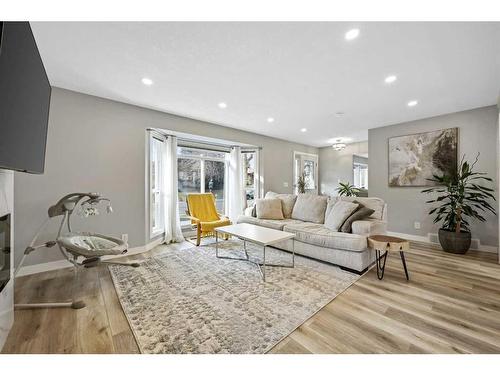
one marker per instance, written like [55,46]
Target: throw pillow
[269,209]
[376,204]
[340,212]
[287,202]
[359,214]
[309,207]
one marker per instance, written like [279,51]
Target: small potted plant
[348,190]
[460,199]
[301,184]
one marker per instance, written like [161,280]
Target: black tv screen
[24,100]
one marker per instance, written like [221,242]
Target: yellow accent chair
[204,215]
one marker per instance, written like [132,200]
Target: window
[305,165]
[249,176]
[360,175]
[200,171]
[155,183]
[215,172]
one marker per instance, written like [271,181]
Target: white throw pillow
[269,209]
[339,214]
[287,202]
[309,207]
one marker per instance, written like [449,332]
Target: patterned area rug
[189,301]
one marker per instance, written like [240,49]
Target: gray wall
[96,144]
[335,166]
[478,133]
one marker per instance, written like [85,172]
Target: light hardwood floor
[450,305]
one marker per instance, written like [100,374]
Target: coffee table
[257,235]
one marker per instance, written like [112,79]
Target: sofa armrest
[369,227]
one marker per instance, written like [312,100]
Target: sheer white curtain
[235,188]
[173,232]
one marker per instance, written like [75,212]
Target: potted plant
[301,184]
[460,199]
[348,190]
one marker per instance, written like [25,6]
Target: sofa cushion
[310,207]
[287,202]
[317,234]
[359,214]
[339,214]
[375,204]
[273,224]
[269,209]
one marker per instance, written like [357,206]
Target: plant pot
[452,242]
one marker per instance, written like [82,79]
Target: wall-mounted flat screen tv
[24,100]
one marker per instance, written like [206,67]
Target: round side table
[383,245]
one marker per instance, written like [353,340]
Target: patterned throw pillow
[359,214]
[339,213]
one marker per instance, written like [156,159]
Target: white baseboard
[425,239]
[60,264]
[43,267]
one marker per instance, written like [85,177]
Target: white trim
[60,264]
[302,156]
[44,267]
[153,232]
[425,239]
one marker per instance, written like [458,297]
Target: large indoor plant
[460,199]
[348,190]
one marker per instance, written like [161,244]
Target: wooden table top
[382,238]
[388,243]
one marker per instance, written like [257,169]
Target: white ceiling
[301,74]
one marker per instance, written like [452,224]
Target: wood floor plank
[450,305]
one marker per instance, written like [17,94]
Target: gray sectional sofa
[305,215]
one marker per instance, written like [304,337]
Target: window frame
[257,175]
[159,229]
[202,160]
[357,168]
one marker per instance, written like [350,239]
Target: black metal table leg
[401,253]
[380,265]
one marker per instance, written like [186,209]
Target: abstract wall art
[413,159]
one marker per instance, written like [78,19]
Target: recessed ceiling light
[222,105]
[390,79]
[412,103]
[352,34]
[147,81]
[303,130]
[270,119]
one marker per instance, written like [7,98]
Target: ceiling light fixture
[270,119]
[352,34]
[390,79]
[338,145]
[147,81]
[222,105]
[339,114]
[303,130]
[412,103]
